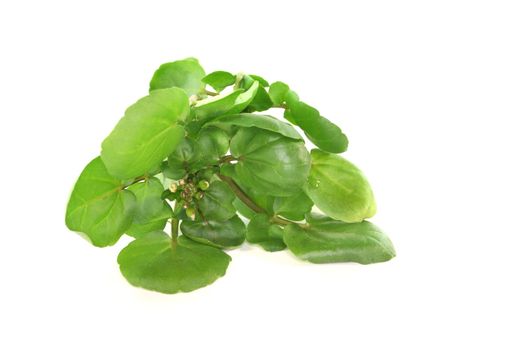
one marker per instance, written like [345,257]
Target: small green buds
[190,212]
[204,185]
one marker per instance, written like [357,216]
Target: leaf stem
[174,231]
[241,195]
[252,205]
[227,159]
[211,93]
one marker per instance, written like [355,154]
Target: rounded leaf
[99,205]
[336,241]
[262,231]
[322,132]
[219,80]
[153,262]
[152,212]
[339,188]
[186,74]
[269,163]
[216,204]
[149,131]
[222,234]
[277,92]
[293,207]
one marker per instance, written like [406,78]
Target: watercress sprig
[197,153]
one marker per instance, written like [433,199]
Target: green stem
[227,159]
[174,231]
[252,205]
[241,195]
[211,93]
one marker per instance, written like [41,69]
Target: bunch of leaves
[197,153]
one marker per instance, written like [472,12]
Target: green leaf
[293,207]
[151,212]
[182,160]
[244,99]
[261,100]
[186,74]
[262,82]
[222,234]
[339,188]
[212,143]
[219,80]
[153,262]
[262,231]
[323,133]
[331,241]
[217,105]
[149,131]
[269,163]
[261,121]
[216,204]
[277,92]
[99,206]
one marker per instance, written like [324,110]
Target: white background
[431,95]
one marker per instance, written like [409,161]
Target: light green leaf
[293,207]
[262,231]
[217,105]
[149,131]
[261,121]
[244,99]
[99,206]
[331,241]
[186,74]
[222,234]
[219,80]
[269,163]
[339,188]
[278,92]
[262,100]
[152,211]
[153,262]
[216,204]
[323,133]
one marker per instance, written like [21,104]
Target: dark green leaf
[153,262]
[219,80]
[261,121]
[222,234]
[216,204]
[269,163]
[336,241]
[323,133]
[339,188]
[262,231]
[212,143]
[293,207]
[99,206]
[186,74]
[183,159]
[151,211]
[149,131]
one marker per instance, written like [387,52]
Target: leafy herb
[196,158]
